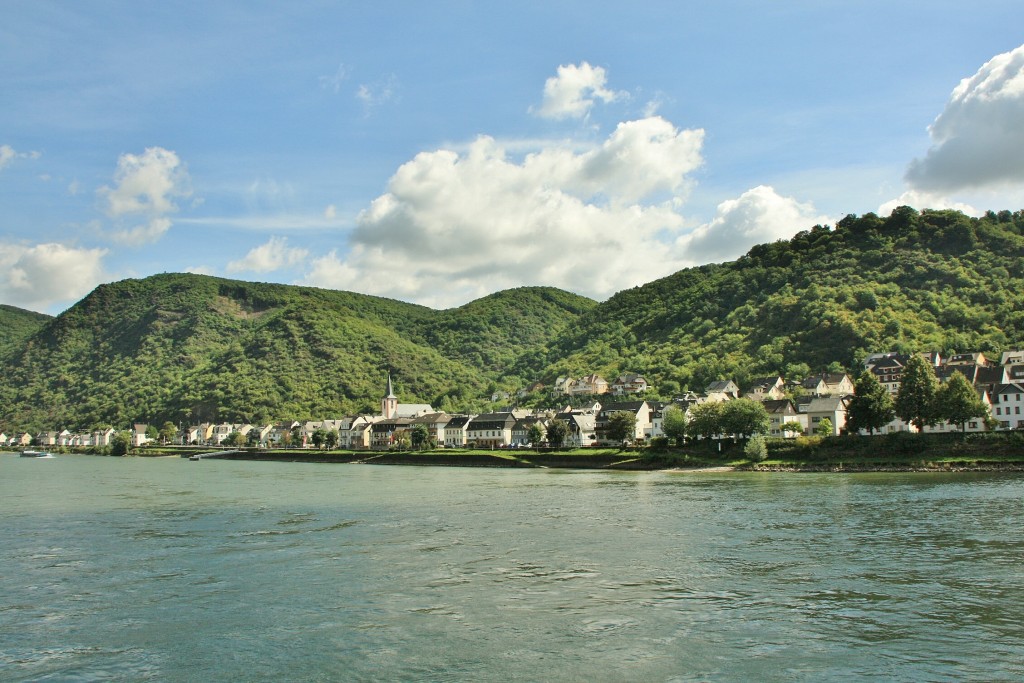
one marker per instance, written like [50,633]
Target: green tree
[235,439]
[168,432]
[957,402]
[744,417]
[706,419]
[824,427]
[756,448]
[557,433]
[621,427]
[915,402]
[673,423]
[296,436]
[871,407]
[253,438]
[120,443]
[331,439]
[318,437]
[792,427]
[152,433]
[535,434]
[419,436]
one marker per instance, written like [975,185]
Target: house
[435,423]
[641,410]
[780,412]
[589,386]
[455,431]
[818,408]
[564,385]
[490,430]
[103,437]
[721,390]
[828,384]
[358,435]
[1006,406]
[582,428]
[1012,358]
[967,359]
[765,389]
[138,436]
[521,429]
[391,408]
[628,384]
[386,433]
[534,388]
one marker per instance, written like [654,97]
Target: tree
[756,448]
[419,436]
[120,443]
[557,433]
[331,439]
[673,423]
[792,427]
[535,434]
[168,432]
[915,402]
[318,437]
[957,402]
[824,427]
[871,407]
[621,427]
[297,436]
[744,417]
[235,439]
[253,438]
[706,419]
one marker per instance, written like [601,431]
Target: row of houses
[1000,386]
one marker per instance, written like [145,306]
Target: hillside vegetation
[17,325]
[935,280]
[193,348]
[190,348]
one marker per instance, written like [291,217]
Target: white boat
[36,454]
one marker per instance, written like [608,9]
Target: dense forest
[934,280]
[191,348]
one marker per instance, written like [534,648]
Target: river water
[169,570]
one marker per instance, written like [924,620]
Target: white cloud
[375,94]
[926,200]
[455,226]
[573,91]
[758,215]
[978,139]
[41,276]
[266,258]
[145,189]
[334,81]
[8,155]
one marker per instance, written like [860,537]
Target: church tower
[389,404]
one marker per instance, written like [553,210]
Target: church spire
[389,404]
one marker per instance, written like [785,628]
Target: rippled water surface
[170,570]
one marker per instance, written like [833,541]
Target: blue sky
[436,152]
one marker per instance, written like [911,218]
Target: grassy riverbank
[993,451]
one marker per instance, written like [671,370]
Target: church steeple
[389,404]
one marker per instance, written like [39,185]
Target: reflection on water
[131,569]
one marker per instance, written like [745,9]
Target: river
[168,570]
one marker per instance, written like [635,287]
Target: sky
[436,152]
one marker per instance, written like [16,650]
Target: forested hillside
[936,280]
[16,325]
[194,348]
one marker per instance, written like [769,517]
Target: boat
[36,454]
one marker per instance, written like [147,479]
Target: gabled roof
[780,407]
[625,407]
[821,404]
[1008,389]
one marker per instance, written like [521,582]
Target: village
[815,405]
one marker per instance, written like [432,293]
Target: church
[391,409]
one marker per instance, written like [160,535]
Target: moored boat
[36,454]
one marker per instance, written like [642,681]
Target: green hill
[195,348]
[189,348]
[17,325]
[936,280]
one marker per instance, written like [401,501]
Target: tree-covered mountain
[195,348]
[17,325]
[935,280]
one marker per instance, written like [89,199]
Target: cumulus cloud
[8,155]
[756,216]
[454,226]
[978,139]
[268,257]
[41,276]
[144,192]
[926,200]
[573,91]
